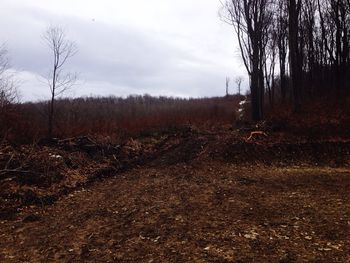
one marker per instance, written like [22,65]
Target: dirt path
[216,212]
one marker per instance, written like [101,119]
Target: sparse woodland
[296,53]
[261,177]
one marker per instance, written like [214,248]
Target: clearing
[193,199]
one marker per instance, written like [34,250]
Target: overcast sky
[158,47]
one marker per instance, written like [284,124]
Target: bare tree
[251,19]
[58,81]
[227,85]
[270,61]
[281,20]
[294,8]
[238,83]
[8,93]
[8,90]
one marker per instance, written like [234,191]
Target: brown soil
[184,197]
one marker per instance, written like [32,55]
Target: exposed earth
[189,196]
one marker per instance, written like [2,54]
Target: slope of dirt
[203,212]
[41,174]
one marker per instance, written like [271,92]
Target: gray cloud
[120,59]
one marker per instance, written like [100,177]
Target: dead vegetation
[182,195]
[117,118]
[40,173]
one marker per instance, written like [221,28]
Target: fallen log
[256,134]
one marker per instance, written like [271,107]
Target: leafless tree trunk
[58,81]
[8,90]
[250,19]
[227,85]
[8,93]
[239,83]
[294,7]
[282,43]
[270,65]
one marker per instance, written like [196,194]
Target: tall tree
[227,85]
[294,7]
[8,89]
[58,81]
[8,92]
[250,19]
[282,44]
[270,62]
[239,83]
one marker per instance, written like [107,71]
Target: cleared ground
[200,211]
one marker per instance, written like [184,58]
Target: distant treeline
[113,116]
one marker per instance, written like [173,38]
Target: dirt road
[198,212]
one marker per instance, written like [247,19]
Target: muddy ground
[189,196]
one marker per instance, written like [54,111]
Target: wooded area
[293,50]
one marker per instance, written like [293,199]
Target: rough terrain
[184,197]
